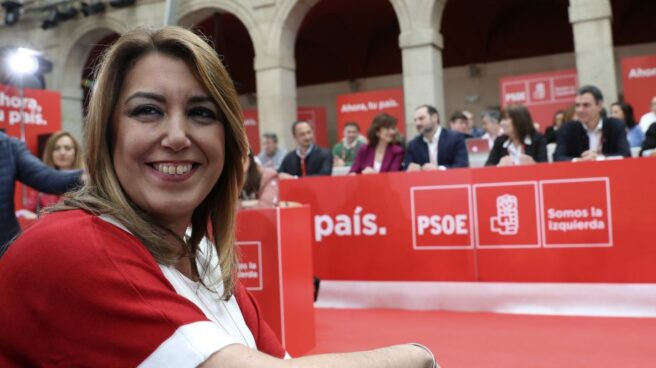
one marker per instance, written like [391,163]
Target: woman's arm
[397,160]
[268,192]
[496,152]
[540,149]
[397,356]
[358,163]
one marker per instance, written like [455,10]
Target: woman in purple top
[381,154]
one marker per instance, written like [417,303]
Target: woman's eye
[203,113]
[146,110]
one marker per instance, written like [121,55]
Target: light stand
[23,62]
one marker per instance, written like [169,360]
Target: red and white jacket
[75,290]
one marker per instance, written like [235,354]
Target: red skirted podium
[560,222]
[275,248]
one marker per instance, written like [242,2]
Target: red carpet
[494,340]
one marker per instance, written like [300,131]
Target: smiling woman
[62,152]
[137,267]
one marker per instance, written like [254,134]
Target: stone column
[593,43]
[276,99]
[423,75]
[71,108]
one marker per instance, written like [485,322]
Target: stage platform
[485,340]
[565,299]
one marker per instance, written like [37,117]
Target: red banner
[543,93]
[316,116]
[361,108]
[563,222]
[41,113]
[639,79]
[41,116]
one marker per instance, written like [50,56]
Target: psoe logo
[516,97]
[506,222]
[442,225]
[355,224]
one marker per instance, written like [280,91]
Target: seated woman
[381,154]
[521,144]
[62,152]
[558,120]
[138,267]
[260,185]
[624,112]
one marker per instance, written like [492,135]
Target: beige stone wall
[273,25]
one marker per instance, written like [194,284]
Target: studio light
[12,12]
[121,3]
[23,61]
[91,9]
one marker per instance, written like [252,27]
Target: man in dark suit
[592,136]
[434,148]
[17,163]
[308,159]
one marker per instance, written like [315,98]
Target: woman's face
[63,155]
[616,112]
[169,141]
[386,134]
[506,124]
[559,119]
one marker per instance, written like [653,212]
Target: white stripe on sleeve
[189,346]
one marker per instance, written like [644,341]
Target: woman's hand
[368,170]
[526,160]
[506,161]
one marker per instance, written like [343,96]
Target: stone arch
[71,60]
[193,12]
[436,14]
[419,15]
[402,14]
[74,53]
[279,48]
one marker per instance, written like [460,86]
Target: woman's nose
[176,135]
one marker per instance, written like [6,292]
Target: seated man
[591,137]
[472,129]
[459,123]
[271,155]
[307,159]
[434,147]
[345,150]
[491,119]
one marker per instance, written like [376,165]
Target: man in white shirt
[490,119]
[592,137]
[647,119]
[434,148]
